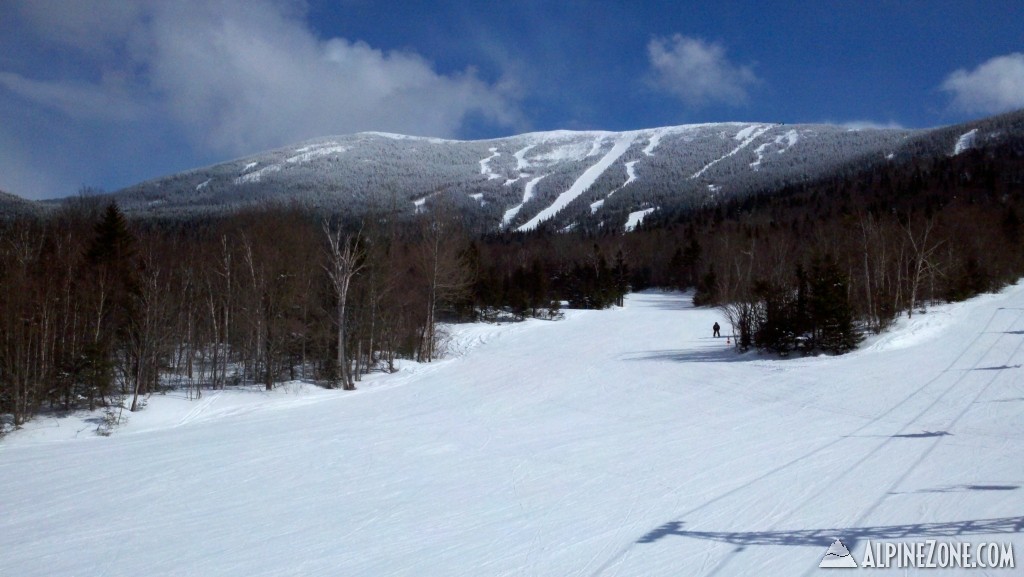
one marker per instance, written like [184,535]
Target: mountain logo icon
[838,557]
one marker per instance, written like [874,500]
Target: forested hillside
[99,307]
[559,180]
[553,179]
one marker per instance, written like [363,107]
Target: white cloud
[869,125]
[698,72]
[236,76]
[995,86]
[87,101]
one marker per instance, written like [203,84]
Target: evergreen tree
[831,313]
[707,289]
[620,278]
[112,280]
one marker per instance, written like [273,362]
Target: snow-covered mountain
[11,205]
[559,178]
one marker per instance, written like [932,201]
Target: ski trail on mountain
[485,167]
[527,195]
[584,182]
[754,135]
[630,177]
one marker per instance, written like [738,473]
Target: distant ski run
[753,135]
[527,195]
[965,142]
[636,218]
[584,182]
[485,168]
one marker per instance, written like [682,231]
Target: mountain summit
[559,179]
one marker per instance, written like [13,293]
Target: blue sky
[106,93]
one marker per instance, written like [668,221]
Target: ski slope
[625,442]
[585,181]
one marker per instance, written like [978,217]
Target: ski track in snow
[653,142]
[637,217]
[309,153]
[965,142]
[630,177]
[485,167]
[527,195]
[623,442]
[786,140]
[257,175]
[520,156]
[750,133]
[746,133]
[585,181]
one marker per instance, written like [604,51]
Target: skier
[717,328]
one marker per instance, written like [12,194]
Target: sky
[102,94]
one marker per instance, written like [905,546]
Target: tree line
[97,310]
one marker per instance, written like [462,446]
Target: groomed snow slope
[624,442]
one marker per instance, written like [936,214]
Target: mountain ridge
[556,180]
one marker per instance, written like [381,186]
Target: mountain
[12,206]
[558,179]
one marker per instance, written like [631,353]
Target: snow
[520,156]
[308,153]
[625,442]
[527,195]
[653,142]
[572,150]
[584,182]
[485,168]
[630,177]
[965,142]
[785,141]
[203,184]
[637,217]
[630,174]
[595,147]
[747,132]
[257,175]
[750,134]
[393,136]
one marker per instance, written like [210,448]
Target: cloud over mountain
[996,85]
[231,76]
[697,72]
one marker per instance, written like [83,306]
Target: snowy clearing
[784,142]
[636,217]
[520,156]
[625,442]
[965,142]
[527,195]
[485,166]
[257,175]
[311,153]
[749,135]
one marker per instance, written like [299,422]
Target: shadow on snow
[849,535]
[723,355]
